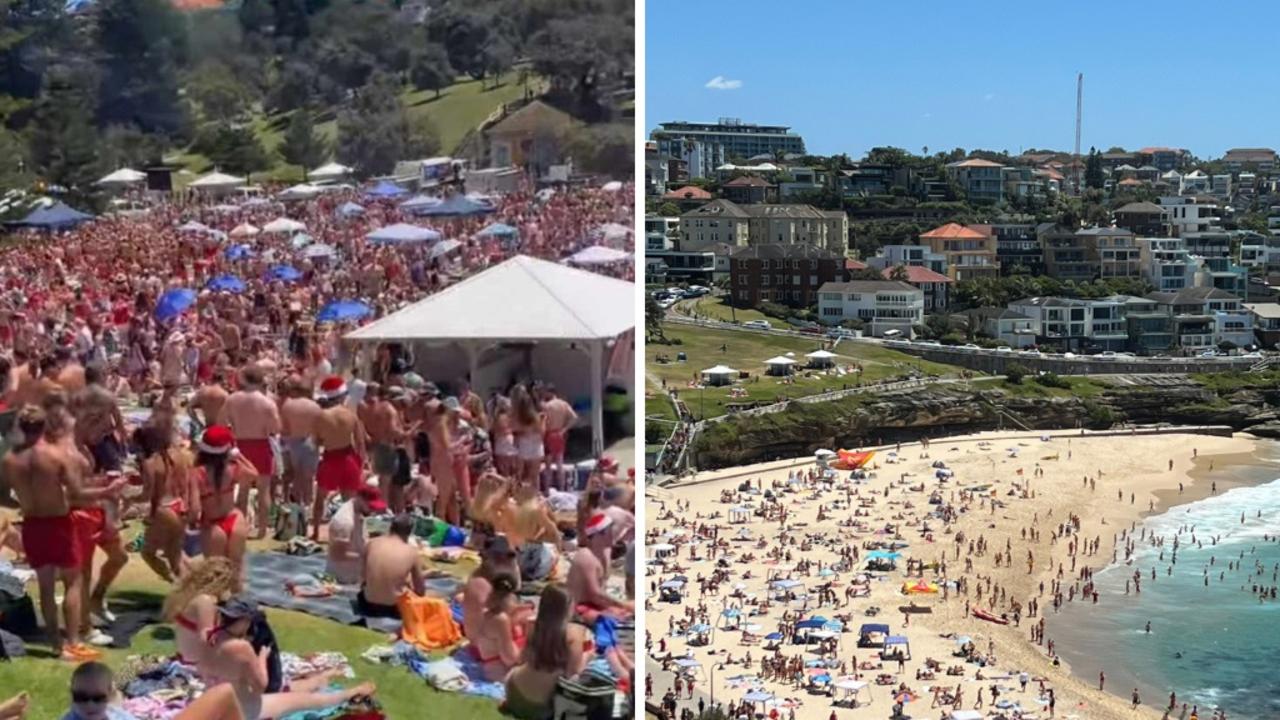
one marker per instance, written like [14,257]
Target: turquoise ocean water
[1216,646]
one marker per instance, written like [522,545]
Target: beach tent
[191,226]
[386,190]
[739,514]
[561,306]
[343,310]
[813,623]
[867,632]
[719,375]
[821,358]
[123,176]
[779,365]
[173,303]
[244,230]
[350,210]
[899,644]
[332,171]
[420,202]
[226,283]
[599,255]
[57,216]
[613,233]
[456,206]
[402,234]
[238,252]
[284,225]
[611,186]
[216,181]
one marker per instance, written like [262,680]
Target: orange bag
[427,622]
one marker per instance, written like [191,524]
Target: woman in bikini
[505,456]
[192,606]
[500,638]
[530,427]
[174,502]
[556,649]
[232,660]
[217,474]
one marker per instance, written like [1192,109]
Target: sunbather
[556,649]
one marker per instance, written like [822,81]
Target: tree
[219,94]
[603,149]
[301,144]
[653,316]
[63,142]
[668,209]
[899,272]
[127,146]
[294,87]
[430,69]
[143,43]
[238,150]
[499,55]
[1015,372]
[376,132]
[578,55]
[1093,177]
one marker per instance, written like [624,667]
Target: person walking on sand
[1102,680]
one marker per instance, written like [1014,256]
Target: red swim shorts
[339,471]
[258,451]
[553,442]
[89,525]
[50,542]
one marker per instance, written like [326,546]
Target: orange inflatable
[850,460]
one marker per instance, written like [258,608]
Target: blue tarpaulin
[174,302]
[874,628]
[55,217]
[238,252]
[286,273]
[456,205]
[227,283]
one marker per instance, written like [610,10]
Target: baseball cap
[372,497]
[498,547]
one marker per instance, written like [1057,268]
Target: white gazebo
[821,358]
[780,365]
[599,255]
[122,178]
[544,311]
[719,375]
[244,230]
[217,183]
[304,191]
[283,225]
[332,171]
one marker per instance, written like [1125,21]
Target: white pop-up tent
[719,375]
[283,225]
[244,230]
[123,176]
[779,365]
[332,171]
[599,255]
[821,358]
[216,181]
[521,301]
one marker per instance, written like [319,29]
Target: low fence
[996,363]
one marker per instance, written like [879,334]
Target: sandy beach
[1107,482]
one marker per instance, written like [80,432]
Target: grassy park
[747,351]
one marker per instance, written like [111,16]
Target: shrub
[1015,372]
[1053,380]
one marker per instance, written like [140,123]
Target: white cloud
[926,116]
[720,82]
[989,96]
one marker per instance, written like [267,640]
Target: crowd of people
[210,420]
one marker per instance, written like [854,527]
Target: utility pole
[1079,106]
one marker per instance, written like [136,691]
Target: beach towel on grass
[270,576]
[458,672]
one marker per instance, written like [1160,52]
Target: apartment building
[969,252]
[1260,159]
[910,255]
[982,180]
[887,307]
[935,286]
[660,233]
[1205,317]
[1018,247]
[1057,321]
[729,138]
[797,181]
[719,221]
[1008,326]
[1219,268]
[1144,219]
[1186,214]
[1266,323]
[1260,251]
[788,274]
[1065,255]
[742,225]
[1166,264]
[1112,252]
[1164,158]
[704,267]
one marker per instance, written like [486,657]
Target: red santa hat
[607,464]
[216,440]
[597,523]
[331,388]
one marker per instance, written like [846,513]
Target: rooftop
[868,286]
[688,192]
[917,274]
[788,251]
[954,231]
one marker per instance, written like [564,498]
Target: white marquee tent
[779,365]
[123,176]
[821,358]
[283,225]
[332,171]
[217,181]
[719,375]
[522,300]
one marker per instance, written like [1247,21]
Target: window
[764,280]
[744,294]
[795,279]
[813,279]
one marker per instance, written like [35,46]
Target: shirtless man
[298,415]
[70,372]
[590,569]
[391,566]
[254,418]
[560,419]
[209,401]
[45,487]
[441,442]
[99,423]
[341,434]
[386,433]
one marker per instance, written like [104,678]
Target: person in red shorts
[339,431]
[45,487]
[254,417]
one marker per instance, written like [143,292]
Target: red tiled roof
[747,181]
[954,231]
[917,274]
[1130,181]
[689,192]
[1153,150]
[976,162]
[851,264]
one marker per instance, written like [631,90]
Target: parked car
[839,332]
[758,325]
[1004,349]
[1253,356]
[969,346]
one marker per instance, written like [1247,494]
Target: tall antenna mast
[1079,106]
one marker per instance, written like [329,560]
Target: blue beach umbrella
[340,310]
[773,636]
[238,252]
[226,283]
[287,273]
[174,302]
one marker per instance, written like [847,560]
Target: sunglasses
[84,697]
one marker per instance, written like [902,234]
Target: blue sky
[849,75]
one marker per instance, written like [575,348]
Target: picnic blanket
[458,672]
[270,575]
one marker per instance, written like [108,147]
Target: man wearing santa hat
[340,433]
[589,572]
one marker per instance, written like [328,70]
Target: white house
[1184,214]
[910,255]
[888,307]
